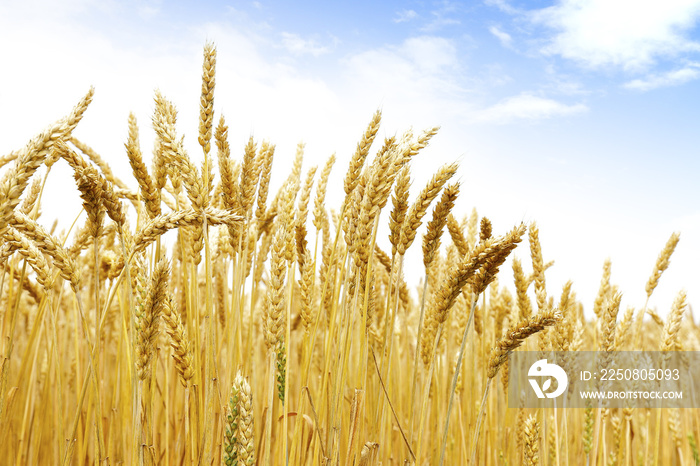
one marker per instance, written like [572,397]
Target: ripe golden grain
[334,343]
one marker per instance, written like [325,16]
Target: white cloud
[505,38]
[149,9]
[443,16]
[527,107]
[671,78]
[417,57]
[430,53]
[632,34]
[565,86]
[503,5]
[300,46]
[420,80]
[404,16]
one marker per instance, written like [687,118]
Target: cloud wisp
[297,45]
[504,38]
[668,79]
[404,16]
[526,107]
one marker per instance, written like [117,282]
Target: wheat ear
[431,239]
[457,235]
[50,246]
[105,170]
[246,443]
[30,201]
[267,154]
[662,263]
[537,266]
[206,101]
[531,434]
[379,180]
[516,336]
[182,347]
[523,300]
[94,187]
[320,199]
[491,252]
[302,216]
[147,186]
[418,209]
[148,314]
[489,268]
[358,158]
[231,425]
[485,229]
[28,160]
[250,174]
[673,322]
[400,203]
[603,289]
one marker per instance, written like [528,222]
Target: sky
[581,115]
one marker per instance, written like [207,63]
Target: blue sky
[582,115]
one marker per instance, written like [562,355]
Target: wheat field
[192,315]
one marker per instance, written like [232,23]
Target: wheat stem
[454,384]
[415,355]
